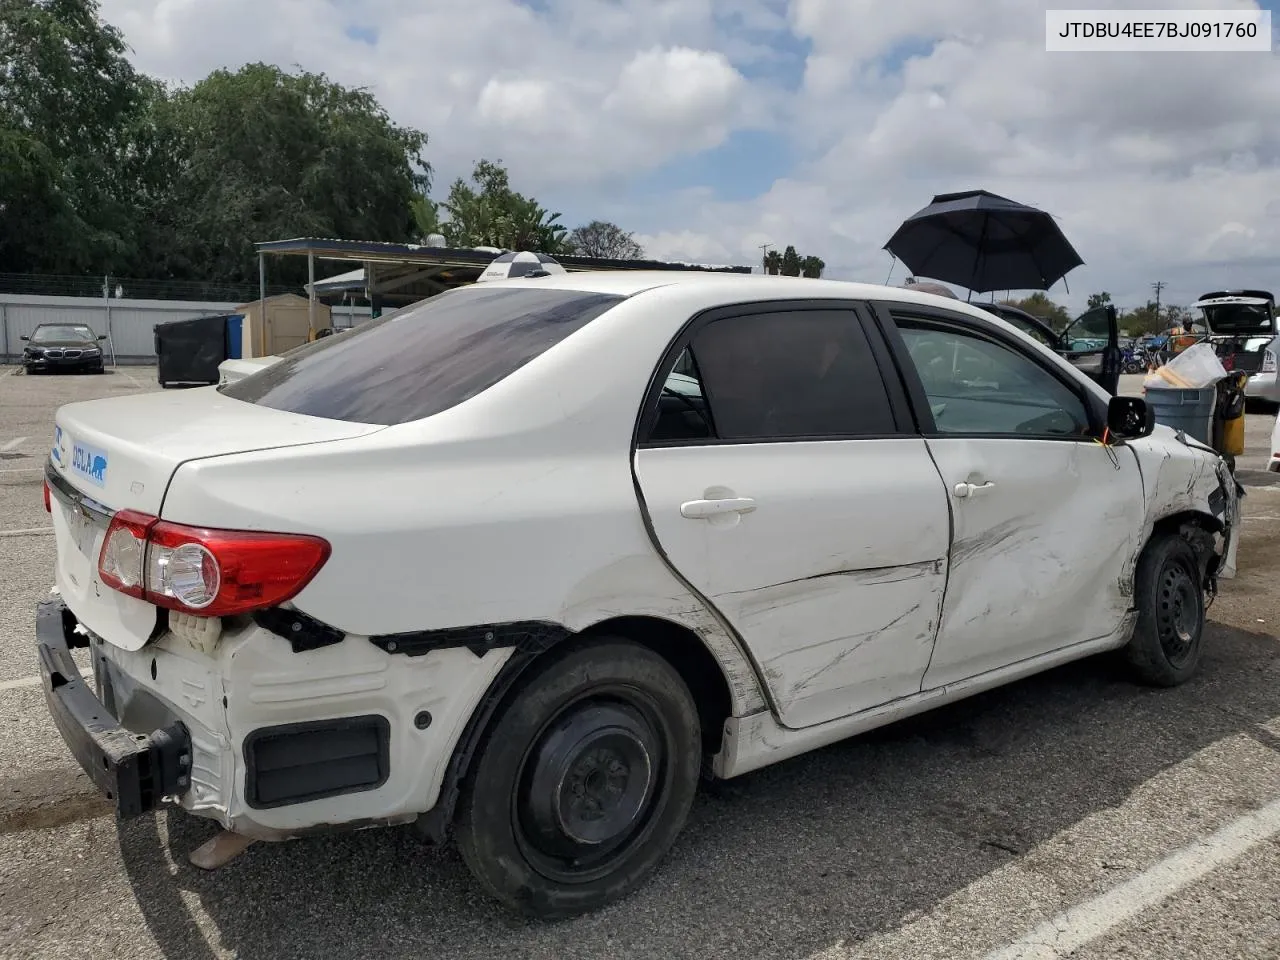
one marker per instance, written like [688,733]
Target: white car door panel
[1044,516]
[780,482]
[1039,556]
[834,584]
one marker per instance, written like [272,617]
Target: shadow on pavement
[836,845]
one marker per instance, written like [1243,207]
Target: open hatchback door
[1240,324]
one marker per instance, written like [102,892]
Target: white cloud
[1158,166]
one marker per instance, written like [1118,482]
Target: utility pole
[1157,287]
[764,253]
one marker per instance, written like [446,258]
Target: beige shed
[284,324]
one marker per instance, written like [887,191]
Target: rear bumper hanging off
[136,771]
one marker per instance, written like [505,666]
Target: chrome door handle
[963,490]
[705,509]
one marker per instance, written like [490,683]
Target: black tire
[605,730]
[1165,648]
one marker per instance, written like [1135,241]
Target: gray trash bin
[1188,410]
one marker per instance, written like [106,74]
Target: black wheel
[1166,644]
[583,782]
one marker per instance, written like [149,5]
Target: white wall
[128,323]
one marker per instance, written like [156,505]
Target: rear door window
[424,359]
[786,375]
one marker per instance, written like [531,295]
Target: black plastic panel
[300,762]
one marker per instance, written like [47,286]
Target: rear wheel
[583,782]
[1166,645]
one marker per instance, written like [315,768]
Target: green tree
[1099,299]
[600,238]
[790,262]
[69,101]
[812,267]
[1143,320]
[773,262]
[488,213]
[264,155]
[1175,315]
[1039,305]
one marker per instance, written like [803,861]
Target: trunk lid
[120,453]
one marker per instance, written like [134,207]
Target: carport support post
[262,308]
[311,293]
[4,333]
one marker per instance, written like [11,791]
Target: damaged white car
[521,562]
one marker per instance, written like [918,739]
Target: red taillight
[212,573]
[48,498]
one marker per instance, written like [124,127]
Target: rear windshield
[1239,318]
[423,359]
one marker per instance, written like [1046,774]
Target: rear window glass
[423,359]
[1239,318]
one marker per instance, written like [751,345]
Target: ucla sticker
[57,450]
[90,463]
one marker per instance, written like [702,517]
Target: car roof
[629,283]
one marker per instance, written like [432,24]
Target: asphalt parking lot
[1073,814]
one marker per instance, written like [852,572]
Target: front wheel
[583,782]
[1166,644]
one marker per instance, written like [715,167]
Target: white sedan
[518,563]
[229,371]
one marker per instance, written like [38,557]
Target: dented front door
[1045,535]
[1045,517]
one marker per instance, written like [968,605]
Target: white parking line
[1082,924]
[12,444]
[27,532]
[128,377]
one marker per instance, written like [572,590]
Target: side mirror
[24,338]
[1130,418]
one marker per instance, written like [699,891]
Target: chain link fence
[132,288]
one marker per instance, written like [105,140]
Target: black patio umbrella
[984,242]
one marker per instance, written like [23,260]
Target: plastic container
[235,336]
[1190,411]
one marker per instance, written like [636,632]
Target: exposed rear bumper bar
[133,770]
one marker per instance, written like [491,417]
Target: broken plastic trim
[524,634]
[303,632]
[434,824]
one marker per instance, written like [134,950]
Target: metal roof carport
[402,273]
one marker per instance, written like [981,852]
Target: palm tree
[772,262]
[812,267]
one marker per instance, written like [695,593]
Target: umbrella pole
[979,261]
[892,262]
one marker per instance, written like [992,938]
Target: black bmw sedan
[62,346]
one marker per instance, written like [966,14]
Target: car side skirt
[759,740]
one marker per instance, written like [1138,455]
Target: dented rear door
[822,540]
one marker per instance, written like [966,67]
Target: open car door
[1091,344]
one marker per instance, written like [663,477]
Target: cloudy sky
[710,127]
